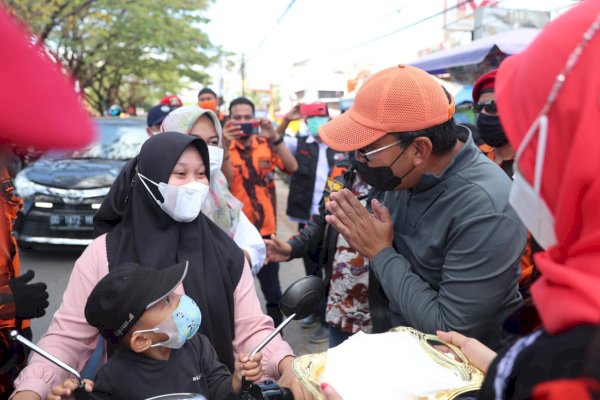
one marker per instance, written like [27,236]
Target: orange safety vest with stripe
[10,204]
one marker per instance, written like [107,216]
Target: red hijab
[568,292]
[38,106]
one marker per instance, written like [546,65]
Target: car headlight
[26,188]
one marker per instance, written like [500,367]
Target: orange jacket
[254,181]
[10,204]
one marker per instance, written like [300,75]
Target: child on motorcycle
[158,351]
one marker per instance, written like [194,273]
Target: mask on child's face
[181,326]
[314,123]
[182,203]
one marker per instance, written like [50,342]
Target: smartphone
[313,110]
[249,128]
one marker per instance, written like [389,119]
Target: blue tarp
[510,42]
[464,95]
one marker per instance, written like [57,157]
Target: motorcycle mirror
[302,297]
[298,301]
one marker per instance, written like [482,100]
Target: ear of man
[422,150]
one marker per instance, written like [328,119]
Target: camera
[313,110]
[249,128]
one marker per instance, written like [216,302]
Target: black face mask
[381,178]
[490,130]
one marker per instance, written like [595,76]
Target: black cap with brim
[157,114]
[121,297]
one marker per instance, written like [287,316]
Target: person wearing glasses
[496,145]
[498,149]
[443,241]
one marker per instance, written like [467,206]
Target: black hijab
[142,232]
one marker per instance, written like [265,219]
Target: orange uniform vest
[254,181]
[10,204]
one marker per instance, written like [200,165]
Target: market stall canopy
[509,42]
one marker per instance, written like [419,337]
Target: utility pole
[243,71]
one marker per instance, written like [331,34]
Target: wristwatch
[278,141]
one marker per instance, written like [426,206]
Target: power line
[412,24]
[287,9]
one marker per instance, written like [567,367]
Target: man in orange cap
[446,246]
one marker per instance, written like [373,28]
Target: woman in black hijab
[149,236]
[161,224]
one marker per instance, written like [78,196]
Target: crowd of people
[486,238]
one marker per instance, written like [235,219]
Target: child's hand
[245,367]
[67,388]
[251,369]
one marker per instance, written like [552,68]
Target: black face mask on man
[490,130]
[381,178]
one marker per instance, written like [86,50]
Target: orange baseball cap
[398,99]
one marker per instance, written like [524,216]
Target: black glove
[31,299]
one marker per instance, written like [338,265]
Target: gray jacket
[455,263]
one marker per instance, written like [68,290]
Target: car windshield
[118,139]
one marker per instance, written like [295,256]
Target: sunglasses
[489,107]
[366,154]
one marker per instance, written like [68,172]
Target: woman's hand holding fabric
[289,380]
[478,354]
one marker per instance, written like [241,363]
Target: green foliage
[124,52]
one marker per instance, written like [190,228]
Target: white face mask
[524,198]
[215,154]
[527,200]
[182,203]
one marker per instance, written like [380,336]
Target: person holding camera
[256,151]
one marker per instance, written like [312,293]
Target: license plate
[71,221]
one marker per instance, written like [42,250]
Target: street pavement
[53,266]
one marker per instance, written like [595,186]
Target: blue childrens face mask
[314,123]
[181,326]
